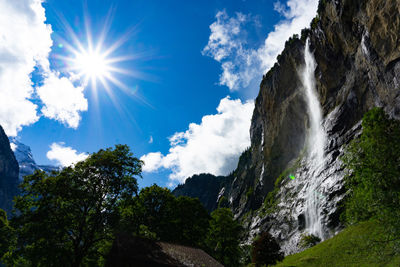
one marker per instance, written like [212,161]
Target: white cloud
[64,155]
[223,34]
[62,100]
[243,66]
[297,16]
[213,146]
[25,43]
[153,161]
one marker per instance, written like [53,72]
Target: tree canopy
[223,237]
[156,210]
[68,216]
[373,176]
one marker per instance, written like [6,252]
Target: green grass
[354,246]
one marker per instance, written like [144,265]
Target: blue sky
[187,59]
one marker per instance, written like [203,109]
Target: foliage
[314,22]
[73,217]
[250,192]
[373,173]
[245,252]
[351,247]
[223,202]
[223,237]
[265,250]
[291,40]
[153,208]
[307,241]
[146,233]
[321,6]
[191,221]
[157,212]
[245,156]
[270,201]
[6,234]
[70,216]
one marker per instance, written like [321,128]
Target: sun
[93,61]
[102,65]
[92,65]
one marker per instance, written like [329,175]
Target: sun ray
[94,62]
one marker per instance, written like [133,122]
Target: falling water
[316,141]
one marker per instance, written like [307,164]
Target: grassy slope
[351,247]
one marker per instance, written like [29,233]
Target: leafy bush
[307,241]
[265,250]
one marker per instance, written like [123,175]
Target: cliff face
[8,173]
[356,46]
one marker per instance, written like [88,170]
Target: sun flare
[97,63]
[91,64]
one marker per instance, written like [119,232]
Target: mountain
[310,104]
[206,187]
[8,173]
[27,164]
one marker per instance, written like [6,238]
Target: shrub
[265,250]
[308,241]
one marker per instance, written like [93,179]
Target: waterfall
[316,143]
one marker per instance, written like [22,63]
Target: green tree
[265,250]
[6,234]
[191,221]
[373,172]
[157,211]
[223,237]
[67,218]
[153,209]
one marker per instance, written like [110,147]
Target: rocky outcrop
[8,173]
[356,45]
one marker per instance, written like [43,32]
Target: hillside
[348,248]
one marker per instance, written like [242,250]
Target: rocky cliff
[8,173]
[356,50]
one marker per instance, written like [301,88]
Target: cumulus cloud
[153,161]
[243,66]
[224,31]
[62,100]
[213,146]
[64,155]
[25,44]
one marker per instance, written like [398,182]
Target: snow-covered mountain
[27,164]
